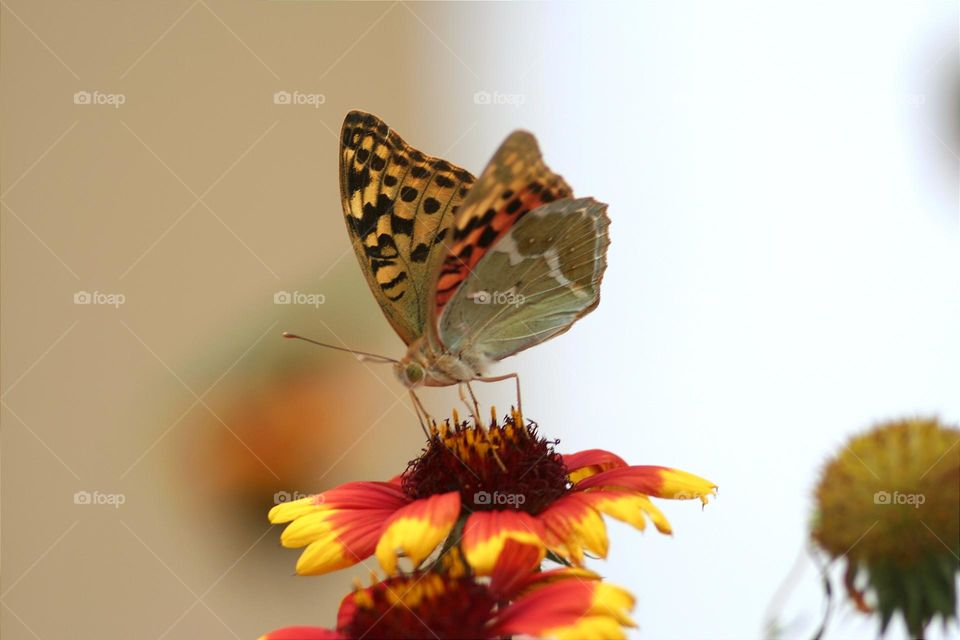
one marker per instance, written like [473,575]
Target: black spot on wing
[392,283]
[377,264]
[487,237]
[474,223]
[366,223]
[386,247]
[385,250]
[421,253]
[431,205]
[384,203]
[357,180]
[401,226]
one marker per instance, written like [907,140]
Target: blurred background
[783,186]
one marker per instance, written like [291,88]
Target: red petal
[596,460]
[364,495]
[646,479]
[348,607]
[554,605]
[515,564]
[661,482]
[360,532]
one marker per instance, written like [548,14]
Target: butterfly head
[410,373]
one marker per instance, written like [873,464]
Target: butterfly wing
[399,205]
[515,181]
[541,276]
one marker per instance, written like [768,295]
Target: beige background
[197,200]
[782,180]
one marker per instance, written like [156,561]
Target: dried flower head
[889,505]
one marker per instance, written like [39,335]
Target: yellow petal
[417,529]
[680,485]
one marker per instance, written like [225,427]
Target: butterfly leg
[475,408]
[476,405]
[422,414]
[516,378]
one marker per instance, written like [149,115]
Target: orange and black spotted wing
[515,182]
[399,205]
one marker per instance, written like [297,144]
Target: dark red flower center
[504,467]
[421,606]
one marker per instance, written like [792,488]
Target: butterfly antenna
[372,356]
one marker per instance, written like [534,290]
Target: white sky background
[784,267]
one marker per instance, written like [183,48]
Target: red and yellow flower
[447,602]
[496,484]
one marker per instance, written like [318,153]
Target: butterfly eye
[414,372]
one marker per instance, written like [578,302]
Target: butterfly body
[425,365]
[468,270]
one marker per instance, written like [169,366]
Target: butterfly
[468,271]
